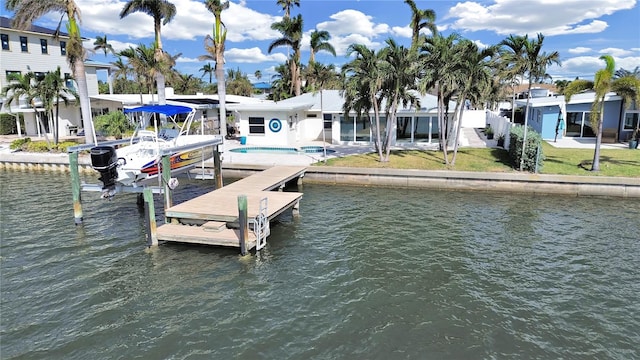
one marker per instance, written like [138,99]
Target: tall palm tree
[437,62]
[474,72]
[399,76]
[207,69]
[281,82]
[363,83]
[101,43]
[627,86]
[417,23]
[214,45]
[27,11]
[24,86]
[286,6]
[533,63]
[50,90]
[320,42]
[291,30]
[512,65]
[162,12]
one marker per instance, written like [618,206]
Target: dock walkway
[213,218]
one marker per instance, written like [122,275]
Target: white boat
[139,162]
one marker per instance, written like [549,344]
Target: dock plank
[198,235]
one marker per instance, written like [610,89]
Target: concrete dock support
[217,163]
[166,178]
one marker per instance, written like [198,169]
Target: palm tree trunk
[85,105]
[162,96]
[222,92]
[458,126]
[376,113]
[596,154]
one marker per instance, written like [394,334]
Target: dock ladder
[261,225]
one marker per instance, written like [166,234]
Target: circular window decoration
[275,125]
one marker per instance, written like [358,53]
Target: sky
[580,30]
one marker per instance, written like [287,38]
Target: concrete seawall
[619,187]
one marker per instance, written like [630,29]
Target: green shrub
[20,144]
[533,151]
[63,146]
[37,146]
[114,124]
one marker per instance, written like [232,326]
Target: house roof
[263,85]
[6,23]
[582,98]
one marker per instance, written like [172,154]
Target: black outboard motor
[105,160]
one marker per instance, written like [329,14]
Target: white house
[319,116]
[37,50]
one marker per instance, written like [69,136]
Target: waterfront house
[319,116]
[546,113]
[39,51]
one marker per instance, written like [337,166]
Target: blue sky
[580,30]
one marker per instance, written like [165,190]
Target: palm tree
[24,87]
[286,6]
[207,69]
[363,83]
[474,73]
[627,86]
[214,45]
[561,85]
[162,12]
[398,76]
[417,24]
[258,74]
[27,11]
[320,42]
[512,68]
[291,30]
[102,43]
[281,82]
[532,62]
[50,90]
[437,62]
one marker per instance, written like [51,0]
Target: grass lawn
[618,162]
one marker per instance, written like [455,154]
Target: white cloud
[579,50]
[525,16]
[252,55]
[586,66]
[192,21]
[616,52]
[183,59]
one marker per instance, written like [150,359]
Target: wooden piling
[75,187]
[150,217]
[217,164]
[243,222]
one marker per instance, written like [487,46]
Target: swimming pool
[280,150]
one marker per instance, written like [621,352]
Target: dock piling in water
[243,223]
[75,187]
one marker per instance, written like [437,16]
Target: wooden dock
[213,218]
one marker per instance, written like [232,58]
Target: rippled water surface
[364,273]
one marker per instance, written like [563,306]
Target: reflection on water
[363,273]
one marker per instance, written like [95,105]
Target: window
[23,44]
[256,125]
[12,75]
[5,41]
[63,48]
[631,120]
[44,46]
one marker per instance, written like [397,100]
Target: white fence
[500,126]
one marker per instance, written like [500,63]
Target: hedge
[533,151]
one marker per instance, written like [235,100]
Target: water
[364,273]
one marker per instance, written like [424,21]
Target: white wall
[474,118]
[270,137]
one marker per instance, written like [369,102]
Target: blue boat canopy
[168,110]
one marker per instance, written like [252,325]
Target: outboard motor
[105,161]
